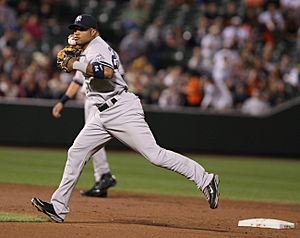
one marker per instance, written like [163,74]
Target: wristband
[80,66]
[64,99]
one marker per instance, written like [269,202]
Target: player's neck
[86,45]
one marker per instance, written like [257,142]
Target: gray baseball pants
[100,163]
[124,121]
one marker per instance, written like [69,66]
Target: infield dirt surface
[138,215]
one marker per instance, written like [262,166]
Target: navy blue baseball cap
[84,21]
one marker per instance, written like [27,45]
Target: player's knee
[156,156]
[72,153]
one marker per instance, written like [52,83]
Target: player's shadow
[148,223]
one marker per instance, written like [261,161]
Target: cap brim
[73,26]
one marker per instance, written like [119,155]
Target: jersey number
[115,61]
[114,58]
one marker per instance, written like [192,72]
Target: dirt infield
[136,215]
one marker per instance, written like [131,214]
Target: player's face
[83,36]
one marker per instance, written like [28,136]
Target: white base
[266,223]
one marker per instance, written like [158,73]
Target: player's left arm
[70,93]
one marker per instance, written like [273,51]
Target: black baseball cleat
[46,208]
[212,193]
[100,188]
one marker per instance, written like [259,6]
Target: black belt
[105,105]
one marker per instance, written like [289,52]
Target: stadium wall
[30,123]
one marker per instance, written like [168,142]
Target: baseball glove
[64,56]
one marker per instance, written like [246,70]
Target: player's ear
[94,32]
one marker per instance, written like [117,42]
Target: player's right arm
[95,69]
[102,66]
[70,93]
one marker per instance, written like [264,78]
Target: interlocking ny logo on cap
[78,19]
[85,21]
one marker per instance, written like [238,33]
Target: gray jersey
[100,90]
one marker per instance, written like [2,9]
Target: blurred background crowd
[211,54]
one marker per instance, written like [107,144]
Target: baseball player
[103,177]
[119,115]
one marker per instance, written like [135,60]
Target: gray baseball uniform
[120,115]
